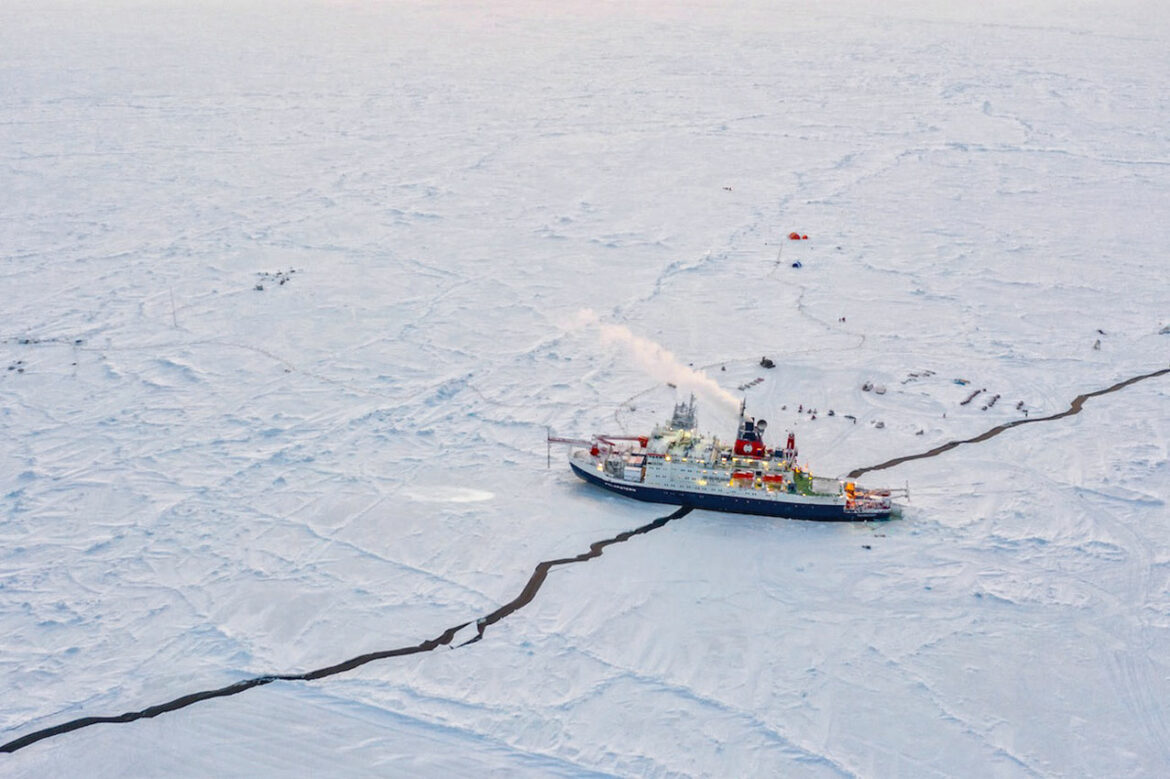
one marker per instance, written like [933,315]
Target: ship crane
[595,445]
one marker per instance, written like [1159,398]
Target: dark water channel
[531,588]
[1074,408]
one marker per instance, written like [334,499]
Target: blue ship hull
[787,509]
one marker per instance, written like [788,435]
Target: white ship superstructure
[678,465]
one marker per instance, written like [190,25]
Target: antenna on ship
[742,407]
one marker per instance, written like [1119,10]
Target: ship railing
[863,505]
[885,494]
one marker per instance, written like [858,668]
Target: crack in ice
[535,582]
[1073,409]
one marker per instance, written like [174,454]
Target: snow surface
[204,482]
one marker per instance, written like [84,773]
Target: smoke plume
[661,364]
